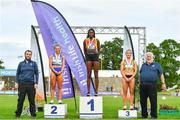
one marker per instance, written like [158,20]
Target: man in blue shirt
[150,72]
[27,80]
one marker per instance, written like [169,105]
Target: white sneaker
[132,107]
[124,107]
[51,102]
[60,101]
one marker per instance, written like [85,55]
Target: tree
[111,53]
[170,50]
[1,62]
[155,50]
[166,54]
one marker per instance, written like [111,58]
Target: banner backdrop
[55,29]
[36,56]
[128,44]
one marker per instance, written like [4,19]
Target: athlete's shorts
[57,69]
[128,76]
[92,57]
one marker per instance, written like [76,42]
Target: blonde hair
[128,50]
[56,45]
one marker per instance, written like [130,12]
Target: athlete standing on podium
[91,51]
[128,71]
[56,64]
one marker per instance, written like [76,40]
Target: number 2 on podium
[91,102]
[54,108]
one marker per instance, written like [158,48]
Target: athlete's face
[57,49]
[128,54]
[91,34]
[28,55]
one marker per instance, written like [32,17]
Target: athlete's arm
[50,64]
[122,70]
[99,46]
[84,46]
[135,69]
[63,64]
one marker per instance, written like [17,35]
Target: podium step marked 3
[127,113]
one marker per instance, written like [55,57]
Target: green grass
[110,107]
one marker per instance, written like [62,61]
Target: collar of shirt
[150,63]
[27,61]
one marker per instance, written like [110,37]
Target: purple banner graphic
[52,23]
[67,88]
[49,42]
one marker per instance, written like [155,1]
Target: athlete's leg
[96,69]
[59,81]
[125,90]
[131,88]
[89,71]
[52,84]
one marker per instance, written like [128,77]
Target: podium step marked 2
[55,110]
[91,107]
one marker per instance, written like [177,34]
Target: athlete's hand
[35,86]
[56,73]
[59,73]
[131,78]
[127,79]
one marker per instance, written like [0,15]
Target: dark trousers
[148,90]
[23,89]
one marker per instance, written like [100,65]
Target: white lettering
[83,82]
[58,24]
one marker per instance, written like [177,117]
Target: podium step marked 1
[55,110]
[91,107]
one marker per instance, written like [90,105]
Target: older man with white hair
[150,72]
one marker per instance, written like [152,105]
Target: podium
[127,113]
[91,107]
[55,110]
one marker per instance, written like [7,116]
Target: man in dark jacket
[149,74]
[27,80]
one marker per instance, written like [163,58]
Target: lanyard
[57,56]
[91,42]
[128,62]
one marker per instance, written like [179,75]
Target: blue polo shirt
[27,71]
[150,72]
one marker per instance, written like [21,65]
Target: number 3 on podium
[127,113]
[53,108]
[91,102]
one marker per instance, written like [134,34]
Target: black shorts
[128,76]
[92,57]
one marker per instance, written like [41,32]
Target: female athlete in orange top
[91,51]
